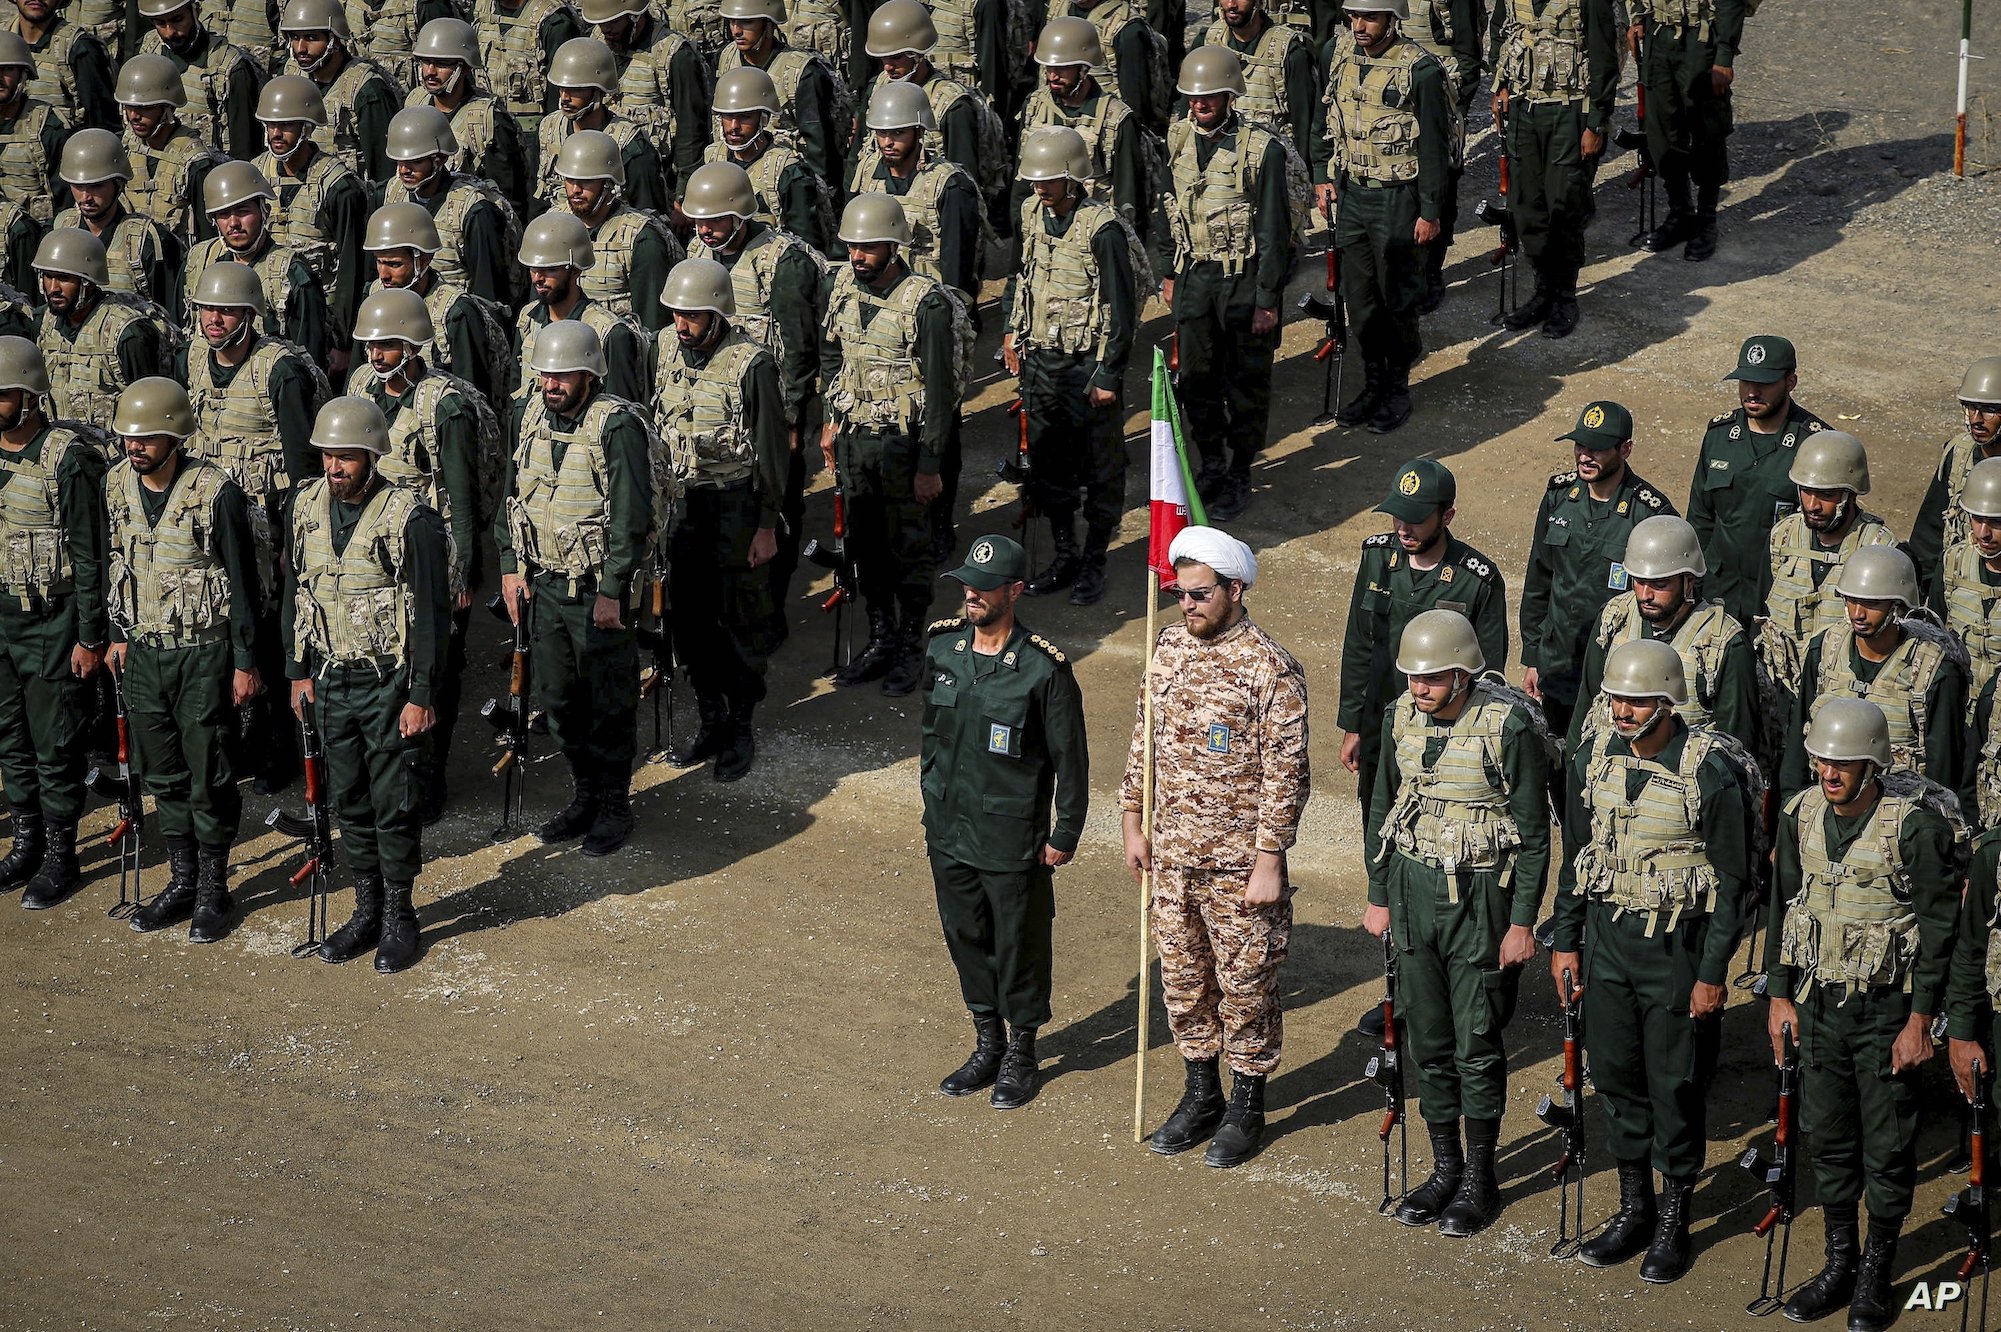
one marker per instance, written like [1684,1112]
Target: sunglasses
[1199,595]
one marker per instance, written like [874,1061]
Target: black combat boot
[977,1073]
[1014,1086]
[574,819]
[711,738]
[1421,1206]
[1209,477]
[875,659]
[172,904]
[909,665]
[1679,224]
[212,900]
[1395,409]
[397,948]
[1061,571]
[1632,1227]
[614,822]
[1370,1024]
[1089,589]
[1479,1197]
[741,752]
[1200,1111]
[363,928]
[58,877]
[25,856]
[1871,1310]
[1243,1128]
[1234,495]
[1434,277]
[1534,310]
[1563,315]
[1358,409]
[1702,239]
[1831,1287]
[1668,1255]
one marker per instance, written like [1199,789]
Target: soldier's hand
[1053,858]
[513,589]
[1500,103]
[1376,920]
[1532,683]
[1961,1054]
[114,657]
[1326,195]
[1590,143]
[792,438]
[243,686]
[1351,751]
[1913,1044]
[606,613]
[928,485]
[414,721]
[1267,879]
[1424,233]
[1101,398]
[763,546]
[302,697]
[1633,36]
[1781,1014]
[1167,291]
[1560,962]
[1517,946]
[1720,80]
[83,660]
[827,444]
[1263,321]
[462,601]
[1706,1000]
[1009,357]
[1139,855]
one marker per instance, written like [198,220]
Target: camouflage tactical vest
[274,270]
[1453,814]
[1542,55]
[1987,776]
[1960,456]
[560,512]
[1797,608]
[124,248]
[1373,140]
[462,195]
[1099,131]
[85,377]
[609,281]
[700,408]
[956,55]
[354,607]
[1058,303]
[822,26]
[1700,14]
[1646,852]
[162,185]
[294,221]
[554,129]
[943,94]
[510,51]
[767,174]
[880,385]
[753,280]
[921,210]
[207,84]
[1899,687]
[646,87]
[1699,641]
[1851,923]
[55,68]
[1212,212]
[169,587]
[1264,97]
[415,457]
[236,427]
[341,136]
[252,27]
[602,318]
[474,125]
[385,34]
[34,546]
[1971,610]
[24,167]
[703,23]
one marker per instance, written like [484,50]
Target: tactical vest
[880,385]
[385,33]
[601,318]
[341,136]
[1542,54]
[753,279]
[354,607]
[1111,20]
[415,456]
[788,65]
[104,20]
[1971,610]
[1700,642]
[1796,610]
[1700,14]
[921,210]
[822,26]
[169,587]
[704,24]
[294,221]
[767,173]
[554,129]
[1960,456]
[700,408]
[1431,27]
[1264,97]
[1099,131]
[560,512]
[1213,210]
[34,547]
[510,51]
[236,428]
[162,185]
[1646,852]
[24,165]
[1899,688]
[207,84]
[474,125]
[646,87]
[250,26]
[1992,979]
[1452,815]
[462,195]
[124,248]
[274,270]
[956,56]
[495,337]
[55,69]
[1851,923]
[1373,140]
[1987,777]
[1059,304]
[943,94]
[85,378]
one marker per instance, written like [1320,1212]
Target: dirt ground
[693,1086]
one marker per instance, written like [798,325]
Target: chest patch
[999,737]
[1219,739]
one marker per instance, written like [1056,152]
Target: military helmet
[154,405]
[1831,460]
[14,51]
[231,183]
[394,314]
[417,132]
[153,9]
[92,155]
[563,346]
[228,285]
[584,62]
[898,105]
[872,219]
[291,97]
[1210,69]
[901,27]
[1439,640]
[744,89]
[719,189]
[326,16]
[771,11]
[402,226]
[1982,382]
[699,284]
[1982,496]
[1880,573]
[351,422]
[1400,8]
[150,80]
[1070,40]
[1643,668]
[22,366]
[557,239]
[1663,546]
[1846,729]
[444,40]
[591,155]
[1055,152]
[74,252]
[604,11]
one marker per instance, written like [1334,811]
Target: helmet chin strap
[241,332]
[326,53]
[291,152]
[1646,729]
[458,77]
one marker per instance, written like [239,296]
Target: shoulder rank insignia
[1720,419]
[1558,480]
[1055,653]
[947,625]
[1379,539]
[1650,497]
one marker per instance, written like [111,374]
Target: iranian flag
[1175,504]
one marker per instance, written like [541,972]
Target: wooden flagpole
[1145,875]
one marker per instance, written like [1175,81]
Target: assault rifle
[835,560]
[1386,1067]
[125,788]
[510,718]
[1644,176]
[656,633]
[1568,1119]
[1780,1173]
[1016,472]
[1969,1205]
[314,832]
[1497,215]
[1332,353]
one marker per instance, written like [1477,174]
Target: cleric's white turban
[1229,557]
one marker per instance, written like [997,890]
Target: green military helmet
[153,9]
[719,189]
[604,11]
[1439,640]
[871,219]
[1880,573]
[1982,382]
[1663,546]
[14,51]
[234,182]
[1055,152]
[1399,8]
[1643,668]
[564,346]
[743,90]
[699,284]
[584,62]
[154,405]
[1208,70]
[351,422]
[557,239]
[289,98]
[899,105]
[150,80]
[22,366]
[591,155]
[394,314]
[74,252]
[771,11]
[91,156]
[1831,460]
[418,132]
[447,41]
[901,27]
[1845,730]
[326,16]
[1070,41]
[402,226]
[227,285]
[1982,496]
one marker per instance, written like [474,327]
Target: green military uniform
[666,85]
[635,251]
[167,181]
[385,32]
[320,214]
[1281,82]
[472,233]
[20,237]
[1973,989]
[492,146]
[144,259]
[1922,689]
[974,47]
[627,374]
[1940,527]
[73,71]
[1142,50]
[805,102]
[31,149]
[221,82]
[956,108]
[1800,601]
[1716,659]
[361,99]
[296,299]
[117,342]
[1741,490]
[942,202]
[516,44]
[790,193]
[1111,130]
[1688,123]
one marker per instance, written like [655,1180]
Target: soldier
[556,250]
[940,200]
[219,81]
[253,28]
[1868,875]
[240,201]
[1230,780]
[141,257]
[1449,30]
[366,617]
[73,71]
[995,877]
[170,161]
[187,657]
[1140,55]
[95,341]
[516,44]
[385,32]
[791,195]
[471,217]
[704,25]
[1576,558]
[634,248]
[1223,240]
[31,137]
[895,338]
[360,95]
[718,404]
[663,81]
[1069,314]
[321,205]
[1686,58]
[1391,173]
[902,36]
[1460,817]
[1974,987]
[806,83]
[1556,77]
[1941,523]
[489,139]
[1277,59]
[53,630]
[585,76]
[1967,592]
[1657,873]
[472,338]
[1071,97]
[585,504]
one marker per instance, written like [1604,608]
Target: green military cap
[1601,426]
[994,561]
[1765,359]
[1421,487]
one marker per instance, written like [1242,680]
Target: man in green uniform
[366,618]
[1855,964]
[556,250]
[1577,556]
[321,206]
[141,256]
[1141,54]
[1390,124]
[1071,97]
[1940,522]
[473,338]
[1222,239]
[1658,867]
[220,80]
[1966,594]
[170,160]
[470,213]
[1687,56]
[634,248]
[804,79]
[721,413]
[902,37]
[586,501]
[791,194]
[31,137]
[1741,486]
[1003,750]
[187,660]
[585,76]
[73,70]
[53,629]
[517,42]
[95,341]
[1460,820]
[361,96]
[1281,89]
[240,202]
[450,80]
[664,82]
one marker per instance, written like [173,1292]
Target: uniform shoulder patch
[946,625]
[1054,653]
[1379,540]
[1720,419]
[1558,480]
